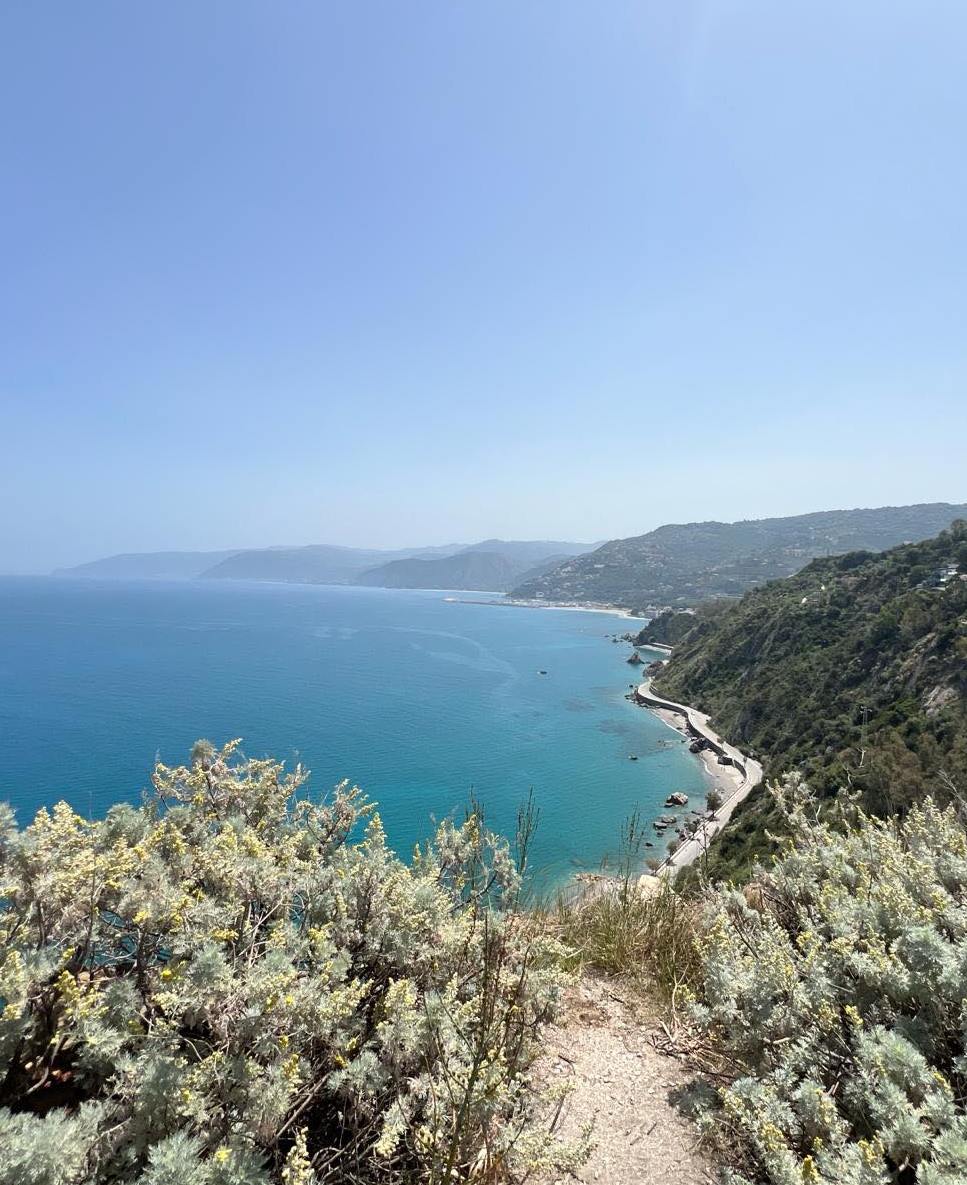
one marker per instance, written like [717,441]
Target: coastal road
[696,724]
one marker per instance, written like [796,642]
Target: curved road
[697,725]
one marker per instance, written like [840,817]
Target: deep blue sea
[415,697]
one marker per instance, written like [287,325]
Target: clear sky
[396,273]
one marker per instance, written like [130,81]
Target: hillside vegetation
[671,626]
[834,989]
[826,998]
[853,671]
[680,565]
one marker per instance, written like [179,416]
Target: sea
[421,698]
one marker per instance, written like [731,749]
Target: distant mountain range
[686,564]
[316,564]
[676,565]
[491,566]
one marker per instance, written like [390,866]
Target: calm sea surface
[414,697]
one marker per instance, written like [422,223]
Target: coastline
[724,778]
[588,607]
[734,778]
[730,771]
[727,770]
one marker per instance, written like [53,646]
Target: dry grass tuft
[647,939]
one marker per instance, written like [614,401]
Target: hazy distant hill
[492,566]
[689,563]
[316,564]
[485,570]
[532,551]
[154,565]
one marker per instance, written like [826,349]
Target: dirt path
[625,1087]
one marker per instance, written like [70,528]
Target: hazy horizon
[439,543]
[402,275]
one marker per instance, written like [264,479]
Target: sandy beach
[734,778]
[586,607]
[724,778]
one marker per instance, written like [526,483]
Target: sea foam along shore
[732,772]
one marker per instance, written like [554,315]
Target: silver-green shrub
[838,983]
[229,986]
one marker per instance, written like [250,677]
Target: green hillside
[684,564]
[671,626]
[854,671]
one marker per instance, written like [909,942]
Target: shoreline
[613,610]
[733,773]
[734,779]
[724,778]
[726,769]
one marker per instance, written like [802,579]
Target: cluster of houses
[944,575]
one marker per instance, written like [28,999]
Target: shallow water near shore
[415,697]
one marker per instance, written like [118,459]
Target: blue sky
[384,273]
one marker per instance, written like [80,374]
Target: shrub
[228,986]
[837,983]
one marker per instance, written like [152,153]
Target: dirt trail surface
[625,1087]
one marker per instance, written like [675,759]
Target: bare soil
[631,1092]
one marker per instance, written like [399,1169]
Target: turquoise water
[414,697]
